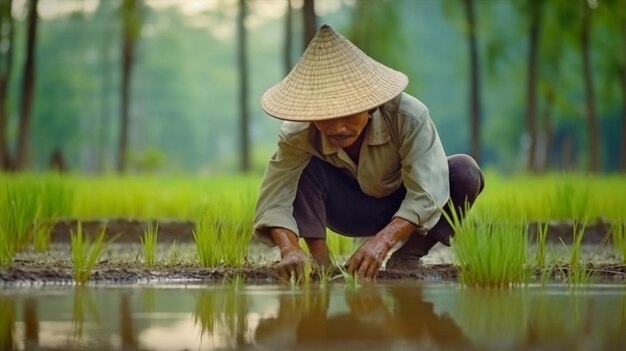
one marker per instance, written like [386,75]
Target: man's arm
[293,258]
[425,176]
[367,260]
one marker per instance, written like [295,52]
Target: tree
[131,28]
[28,87]
[531,85]
[474,100]
[243,87]
[288,38]
[590,112]
[310,22]
[6,60]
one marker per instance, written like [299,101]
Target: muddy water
[399,316]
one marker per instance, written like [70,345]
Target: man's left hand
[368,258]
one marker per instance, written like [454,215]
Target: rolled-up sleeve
[424,170]
[275,204]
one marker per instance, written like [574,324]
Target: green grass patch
[490,253]
[223,234]
[85,254]
[149,244]
[618,232]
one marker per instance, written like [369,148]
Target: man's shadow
[375,316]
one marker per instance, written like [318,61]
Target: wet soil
[34,272]
[57,268]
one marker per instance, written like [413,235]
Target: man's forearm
[397,230]
[285,239]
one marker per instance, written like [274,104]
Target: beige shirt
[401,146]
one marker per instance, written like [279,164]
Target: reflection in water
[404,317]
[236,316]
[7,322]
[83,306]
[223,314]
[127,331]
[31,324]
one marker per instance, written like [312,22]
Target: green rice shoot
[85,253]
[618,232]
[149,244]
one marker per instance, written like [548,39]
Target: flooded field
[383,316]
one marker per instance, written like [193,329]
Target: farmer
[359,156]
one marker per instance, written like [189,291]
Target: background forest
[101,86]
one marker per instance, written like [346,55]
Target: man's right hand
[293,258]
[293,263]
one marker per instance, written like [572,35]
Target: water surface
[398,316]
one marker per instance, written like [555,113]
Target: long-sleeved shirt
[401,147]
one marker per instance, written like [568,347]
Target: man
[359,156]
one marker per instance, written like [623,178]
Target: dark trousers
[327,197]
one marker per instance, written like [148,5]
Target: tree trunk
[310,22]
[130,32]
[548,129]
[593,129]
[243,87]
[531,113]
[28,89]
[623,158]
[288,38]
[474,80]
[6,63]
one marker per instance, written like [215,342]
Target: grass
[85,254]
[149,244]
[542,236]
[490,253]
[222,235]
[618,232]
[222,208]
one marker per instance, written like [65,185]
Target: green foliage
[491,253]
[149,242]
[542,236]
[28,205]
[222,235]
[618,233]
[85,253]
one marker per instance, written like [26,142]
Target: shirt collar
[377,133]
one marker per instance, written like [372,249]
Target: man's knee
[466,178]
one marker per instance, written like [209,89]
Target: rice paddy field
[181,263]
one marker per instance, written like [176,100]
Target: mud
[31,272]
[125,265]
[126,230]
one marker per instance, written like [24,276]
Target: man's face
[344,131]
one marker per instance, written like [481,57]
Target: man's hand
[293,258]
[368,258]
[293,262]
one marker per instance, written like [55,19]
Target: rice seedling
[41,237]
[618,232]
[351,280]
[540,253]
[489,253]
[85,253]
[19,210]
[174,256]
[149,244]
[7,247]
[7,323]
[223,234]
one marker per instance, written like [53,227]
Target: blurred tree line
[143,85]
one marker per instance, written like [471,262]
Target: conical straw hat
[332,79]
